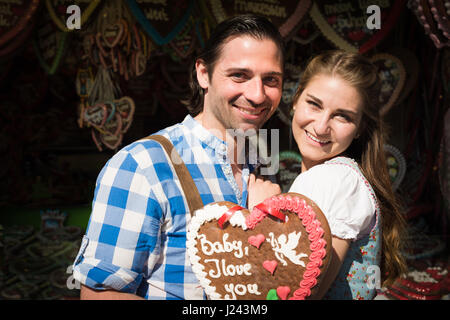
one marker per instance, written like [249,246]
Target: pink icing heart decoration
[283,292]
[256,240]
[345,22]
[282,243]
[270,265]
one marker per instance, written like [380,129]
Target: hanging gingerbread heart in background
[112,34]
[49,44]
[344,22]
[434,22]
[290,168]
[15,17]
[95,115]
[161,20]
[115,42]
[281,250]
[58,11]
[110,120]
[125,107]
[17,20]
[396,165]
[112,134]
[306,32]
[392,74]
[411,66]
[184,43]
[441,13]
[290,85]
[284,14]
[108,117]
[296,57]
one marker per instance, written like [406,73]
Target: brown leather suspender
[187,183]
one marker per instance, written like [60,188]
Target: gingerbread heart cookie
[284,14]
[281,250]
[346,23]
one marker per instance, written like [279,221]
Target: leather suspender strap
[187,183]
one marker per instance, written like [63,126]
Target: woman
[340,135]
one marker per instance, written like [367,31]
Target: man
[135,244]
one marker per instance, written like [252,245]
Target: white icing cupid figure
[286,248]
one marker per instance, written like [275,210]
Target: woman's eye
[313,103]
[344,117]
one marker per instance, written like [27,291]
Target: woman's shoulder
[338,187]
[340,169]
[340,176]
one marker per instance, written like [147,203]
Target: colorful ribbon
[272,211]
[227,215]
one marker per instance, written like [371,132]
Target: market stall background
[70,98]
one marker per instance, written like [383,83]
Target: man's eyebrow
[246,70]
[275,73]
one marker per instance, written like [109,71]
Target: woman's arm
[338,252]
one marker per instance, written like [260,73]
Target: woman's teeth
[315,139]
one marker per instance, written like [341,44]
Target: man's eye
[272,81]
[238,76]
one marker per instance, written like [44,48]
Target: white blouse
[340,191]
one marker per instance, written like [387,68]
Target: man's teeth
[315,139]
[252,112]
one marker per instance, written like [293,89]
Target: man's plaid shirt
[135,241]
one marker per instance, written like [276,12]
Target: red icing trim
[313,228]
[227,215]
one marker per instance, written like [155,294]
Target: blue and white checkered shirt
[136,237]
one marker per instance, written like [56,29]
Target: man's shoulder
[146,151]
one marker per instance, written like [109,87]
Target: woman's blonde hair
[368,149]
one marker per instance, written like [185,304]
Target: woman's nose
[322,125]
[255,91]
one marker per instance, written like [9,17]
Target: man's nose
[255,91]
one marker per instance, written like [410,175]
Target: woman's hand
[260,189]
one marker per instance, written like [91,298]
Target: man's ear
[202,74]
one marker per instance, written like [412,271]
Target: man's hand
[260,189]
[89,294]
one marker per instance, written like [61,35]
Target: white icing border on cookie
[206,214]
